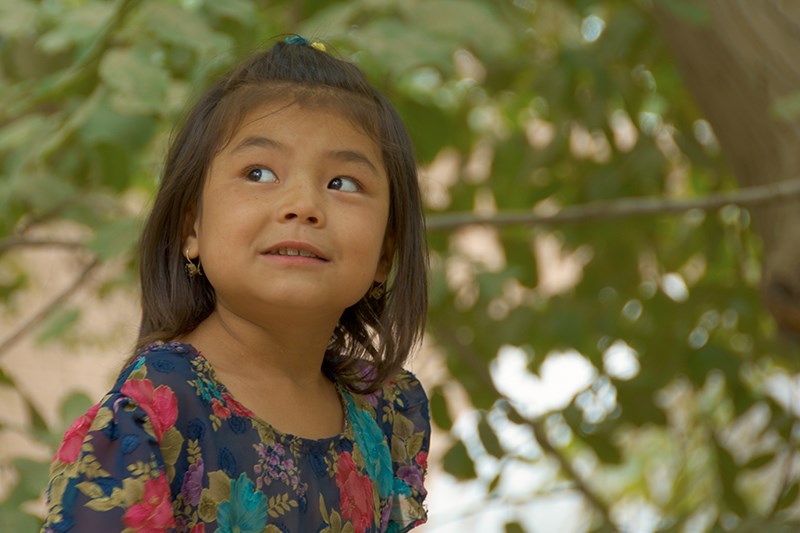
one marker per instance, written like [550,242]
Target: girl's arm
[410,441]
[110,473]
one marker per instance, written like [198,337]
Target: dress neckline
[342,394]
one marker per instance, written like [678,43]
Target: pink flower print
[220,411]
[422,460]
[70,447]
[237,408]
[160,403]
[154,513]
[355,494]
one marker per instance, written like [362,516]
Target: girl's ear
[191,232]
[386,259]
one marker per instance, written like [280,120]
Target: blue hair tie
[299,39]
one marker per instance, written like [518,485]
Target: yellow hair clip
[319,46]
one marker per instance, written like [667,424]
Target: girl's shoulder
[401,392]
[404,388]
[163,363]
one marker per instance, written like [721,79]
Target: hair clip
[299,39]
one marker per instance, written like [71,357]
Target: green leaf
[635,397]
[514,527]
[74,406]
[438,407]
[458,463]
[518,246]
[789,496]
[604,447]
[462,22]
[22,131]
[241,11]
[32,480]
[139,85]
[728,470]
[115,238]
[76,26]
[6,378]
[180,27]
[494,483]
[787,107]
[108,126]
[335,15]
[17,19]
[759,461]
[9,286]
[392,44]
[14,518]
[58,324]
[489,438]
[689,11]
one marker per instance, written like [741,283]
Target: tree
[579,204]
[748,89]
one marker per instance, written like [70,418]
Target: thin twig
[479,370]
[781,191]
[23,242]
[540,433]
[48,308]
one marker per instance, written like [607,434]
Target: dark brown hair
[381,330]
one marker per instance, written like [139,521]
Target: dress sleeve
[110,472]
[410,441]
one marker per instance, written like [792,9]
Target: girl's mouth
[294,251]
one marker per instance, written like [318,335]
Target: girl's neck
[290,351]
[275,371]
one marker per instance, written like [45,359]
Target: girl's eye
[261,175]
[344,184]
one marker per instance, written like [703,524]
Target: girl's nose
[302,204]
[310,218]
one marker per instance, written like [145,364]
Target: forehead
[290,119]
[266,101]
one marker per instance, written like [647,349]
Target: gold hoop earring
[191,269]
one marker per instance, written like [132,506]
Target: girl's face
[293,215]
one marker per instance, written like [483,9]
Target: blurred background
[614,217]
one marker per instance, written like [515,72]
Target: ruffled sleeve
[113,469]
[410,441]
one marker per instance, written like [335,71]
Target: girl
[283,272]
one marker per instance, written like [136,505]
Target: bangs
[362,112]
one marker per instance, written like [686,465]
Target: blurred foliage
[511,105]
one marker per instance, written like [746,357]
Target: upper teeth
[293,251]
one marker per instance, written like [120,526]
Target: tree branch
[48,308]
[479,370]
[781,191]
[14,242]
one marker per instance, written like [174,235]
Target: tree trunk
[738,65]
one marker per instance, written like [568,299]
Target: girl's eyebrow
[350,156]
[257,141]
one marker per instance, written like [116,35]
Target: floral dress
[170,449]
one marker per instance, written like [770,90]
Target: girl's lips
[297,250]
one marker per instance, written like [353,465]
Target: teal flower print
[246,512]
[377,457]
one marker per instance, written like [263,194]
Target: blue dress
[170,449]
